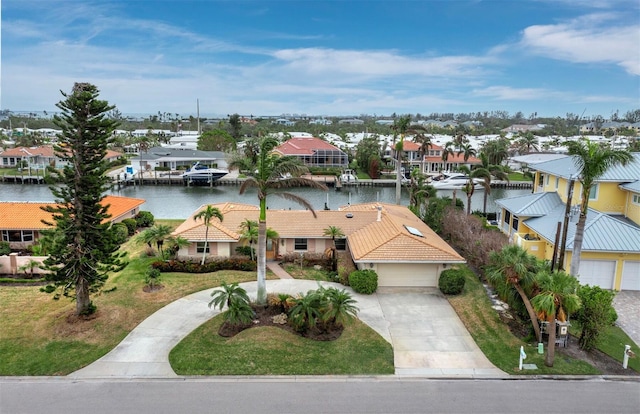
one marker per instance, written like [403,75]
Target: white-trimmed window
[17,235]
[300,244]
[593,192]
[636,199]
[341,244]
[200,247]
[557,182]
[548,177]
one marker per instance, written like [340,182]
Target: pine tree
[85,250]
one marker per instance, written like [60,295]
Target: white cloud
[594,38]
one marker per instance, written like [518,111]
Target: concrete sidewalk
[429,339]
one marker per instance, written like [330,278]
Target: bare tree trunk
[82,297]
[577,246]
[551,346]
[206,243]
[398,178]
[530,311]
[262,263]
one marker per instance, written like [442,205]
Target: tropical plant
[335,233]
[364,281]
[556,300]
[592,161]
[419,192]
[517,268]
[306,310]
[447,151]
[496,171]
[30,265]
[400,126]
[207,214]
[156,234]
[425,143]
[227,294]
[467,151]
[266,176]
[340,306]
[84,251]
[152,278]
[470,187]
[527,142]
[249,234]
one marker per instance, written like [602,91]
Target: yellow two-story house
[610,255]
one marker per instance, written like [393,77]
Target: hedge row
[227,263]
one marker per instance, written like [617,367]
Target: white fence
[14,264]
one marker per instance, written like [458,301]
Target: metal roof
[602,232]
[565,168]
[531,205]
[634,186]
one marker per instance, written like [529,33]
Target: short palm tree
[207,214]
[496,171]
[516,267]
[266,176]
[227,295]
[340,306]
[592,161]
[335,233]
[306,310]
[419,192]
[556,300]
[156,234]
[249,234]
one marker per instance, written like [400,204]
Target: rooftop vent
[414,231]
[349,215]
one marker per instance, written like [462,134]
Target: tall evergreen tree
[85,250]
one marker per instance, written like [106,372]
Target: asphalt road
[317,395]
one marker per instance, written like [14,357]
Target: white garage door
[630,276]
[597,273]
[406,274]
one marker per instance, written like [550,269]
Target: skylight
[413,231]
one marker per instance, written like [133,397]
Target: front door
[271,249]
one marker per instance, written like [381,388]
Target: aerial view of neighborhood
[248,214]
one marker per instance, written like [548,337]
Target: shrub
[364,281]
[241,263]
[131,224]
[245,251]
[4,248]
[451,281]
[595,314]
[121,232]
[144,219]
[152,278]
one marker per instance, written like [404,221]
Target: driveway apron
[428,337]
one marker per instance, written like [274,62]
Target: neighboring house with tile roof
[611,247]
[40,157]
[387,238]
[22,222]
[434,164]
[314,152]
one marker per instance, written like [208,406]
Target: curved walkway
[428,338]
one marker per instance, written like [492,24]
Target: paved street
[316,395]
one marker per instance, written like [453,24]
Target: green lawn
[272,351]
[498,343]
[612,343]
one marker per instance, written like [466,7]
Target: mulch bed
[264,317]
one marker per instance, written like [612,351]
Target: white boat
[128,174]
[454,181]
[200,174]
[348,176]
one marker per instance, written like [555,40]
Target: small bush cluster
[452,281]
[121,232]
[144,219]
[364,281]
[241,263]
[4,248]
[131,224]
[245,251]
[308,259]
[152,278]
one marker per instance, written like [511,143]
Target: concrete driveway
[428,338]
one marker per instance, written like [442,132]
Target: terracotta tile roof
[303,146]
[113,154]
[454,158]
[369,239]
[43,151]
[29,215]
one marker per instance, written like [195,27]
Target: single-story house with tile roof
[40,157]
[387,238]
[314,152]
[21,222]
[175,158]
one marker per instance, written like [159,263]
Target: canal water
[178,202]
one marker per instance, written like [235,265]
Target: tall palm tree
[516,267]
[555,301]
[470,186]
[208,214]
[496,150]
[425,143]
[592,161]
[400,126]
[496,171]
[447,151]
[335,233]
[467,150]
[266,176]
[419,192]
[528,141]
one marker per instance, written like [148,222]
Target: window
[547,177]
[200,247]
[593,192]
[557,182]
[17,235]
[514,223]
[300,244]
[341,244]
[636,199]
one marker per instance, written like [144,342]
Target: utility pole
[567,214]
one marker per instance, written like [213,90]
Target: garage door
[630,276]
[419,275]
[597,273]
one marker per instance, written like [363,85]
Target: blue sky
[326,57]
